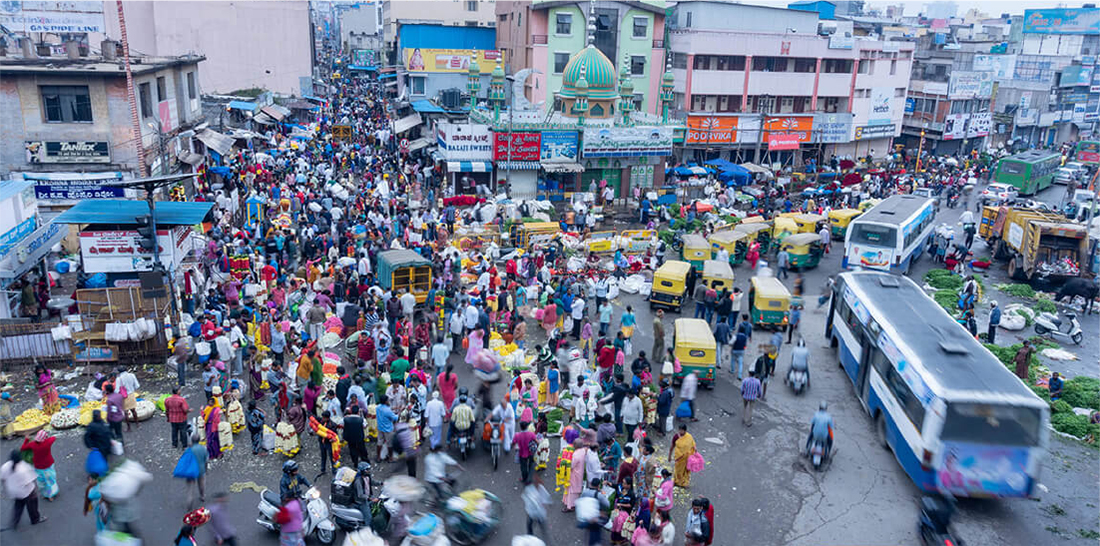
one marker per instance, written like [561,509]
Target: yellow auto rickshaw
[696,250]
[759,232]
[865,206]
[718,275]
[732,241]
[804,249]
[809,223]
[670,285]
[781,228]
[769,302]
[694,345]
[601,242]
[839,220]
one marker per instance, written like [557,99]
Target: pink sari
[576,478]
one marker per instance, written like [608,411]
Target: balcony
[538,39]
[658,44]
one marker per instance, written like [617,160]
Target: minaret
[667,82]
[496,91]
[626,91]
[473,81]
[580,105]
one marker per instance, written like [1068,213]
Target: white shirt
[632,412]
[435,411]
[18,479]
[689,386]
[364,266]
[435,467]
[408,303]
[439,355]
[128,381]
[578,309]
[471,316]
[456,323]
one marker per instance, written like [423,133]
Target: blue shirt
[820,425]
[552,379]
[628,319]
[796,316]
[386,418]
[995,316]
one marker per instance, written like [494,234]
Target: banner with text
[710,130]
[517,146]
[450,60]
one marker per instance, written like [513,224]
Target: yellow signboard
[450,60]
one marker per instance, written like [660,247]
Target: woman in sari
[233,409]
[683,446]
[549,317]
[41,449]
[94,503]
[51,403]
[474,345]
[576,475]
[255,376]
[212,418]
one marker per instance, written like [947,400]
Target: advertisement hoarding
[558,147]
[117,251]
[53,17]
[47,151]
[954,126]
[464,141]
[627,141]
[1003,67]
[882,109]
[517,146]
[866,132]
[75,186]
[782,131]
[710,130]
[980,124]
[1062,21]
[450,60]
[970,85]
[833,128]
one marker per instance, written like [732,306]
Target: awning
[391,83]
[29,251]
[387,75]
[301,105]
[243,133]
[563,167]
[362,68]
[263,119]
[215,141]
[419,143]
[189,158]
[470,166]
[276,112]
[406,123]
[313,98]
[754,168]
[242,105]
[426,107]
[119,211]
[518,165]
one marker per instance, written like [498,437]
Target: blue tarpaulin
[362,67]
[118,211]
[242,105]
[426,107]
[735,175]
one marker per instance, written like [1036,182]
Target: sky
[994,8]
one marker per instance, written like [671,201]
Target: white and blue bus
[956,418]
[890,236]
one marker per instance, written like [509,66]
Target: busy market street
[596,319]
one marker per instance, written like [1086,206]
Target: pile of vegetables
[942,279]
[554,421]
[1017,290]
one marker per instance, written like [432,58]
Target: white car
[1070,171]
[1000,194]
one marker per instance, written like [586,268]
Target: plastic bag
[187,467]
[61,333]
[695,462]
[683,411]
[115,538]
[96,463]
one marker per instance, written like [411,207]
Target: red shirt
[268,273]
[176,408]
[522,441]
[43,458]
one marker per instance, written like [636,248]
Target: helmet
[462,398]
[823,405]
[463,391]
[364,467]
[290,467]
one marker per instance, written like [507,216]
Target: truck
[405,270]
[1037,244]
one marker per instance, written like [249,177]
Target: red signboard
[524,146]
[782,141]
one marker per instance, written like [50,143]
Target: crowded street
[338,334]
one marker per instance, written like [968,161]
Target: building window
[679,60]
[805,65]
[641,27]
[191,91]
[503,17]
[864,66]
[637,65]
[638,100]
[162,89]
[145,96]
[565,24]
[838,66]
[688,23]
[471,5]
[560,60]
[899,91]
[67,103]
[893,67]
[418,86]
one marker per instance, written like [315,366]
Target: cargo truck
[1036,244]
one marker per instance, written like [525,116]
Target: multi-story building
[361,31]
[461,13]
[542,35]
[815,88]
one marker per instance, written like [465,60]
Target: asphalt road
[763,492]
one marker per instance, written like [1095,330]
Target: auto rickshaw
[693,343]
[781,228]
[670,285]
[809,223]
[839,220]
[718,275]
[804,249]
[734,242]
[696,250]
[759,232]
[865,206]
[769,302]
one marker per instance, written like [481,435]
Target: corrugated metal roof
[118,211]
[9,188]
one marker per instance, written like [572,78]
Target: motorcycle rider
[821,429]
[362,495]
[800,360]
[462,414]
[291,485]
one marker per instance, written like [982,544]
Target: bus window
[1012,167]
[871,234]
[909,403]
[992,424]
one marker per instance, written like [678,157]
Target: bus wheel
[880,431]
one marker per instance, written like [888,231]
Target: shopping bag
[115,538]
[116,448]
[187,467]
[683,411]
[96,463]
[668,424]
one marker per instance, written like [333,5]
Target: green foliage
[947,299]
[1044,305]
[1017,290]
[1082,392]
[1074,425]
[1028,321]
[1091,534]
[251,92]
[1040,343]
[942,279]
[1061,407]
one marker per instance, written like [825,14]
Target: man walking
[175,408]
[994,321]
[737,352]
[633,413]
[535,501]
[220,523]
[750,391]
[782,261]
[354,436]
[19,478]
[699,294]
[526,443]
[721,335]
[826,238]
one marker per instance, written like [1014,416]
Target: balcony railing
[658,44]
[538,39]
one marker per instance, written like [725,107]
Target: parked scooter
[1050,325]
[345,512]
[935,522]
[315,516]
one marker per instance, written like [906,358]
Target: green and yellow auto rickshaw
[769,302]
[839,220]
[804,249]
[696,250]
[733,241]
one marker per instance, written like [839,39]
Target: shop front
[466,152]
[516,155]
[625,158]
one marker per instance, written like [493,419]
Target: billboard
[833,128]
[627,141]
[874,131]
[53,17]
[450,60]
[970,85]
[708,130]
[517,146]
[558,147]
[980,124]
[1062,21]
[1003,67]
[954,126]
[117,251]
[465,141]
[787,132]
[49,151]
[882,109]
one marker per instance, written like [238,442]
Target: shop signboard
[14,235]
[788,132]
[27,253]
[910,105]
[118,251]
[517,146]
[782,141]
[464,141]
[75,186]
[640,141]
[450,60]
[558,147]
[54,17]
[1003,67]
[882,106]
[833,128]
[866,132]
[954,126]
[1062,21]
[48,151]
[970,85]
[980,124]
[711,129]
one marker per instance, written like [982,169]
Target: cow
[1078,286]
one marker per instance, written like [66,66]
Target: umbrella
[403,488]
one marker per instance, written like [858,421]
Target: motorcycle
[934,527]
[464,438]
[819,454]
[797,379]
[1049,324]
[496,438]
[315,517]
[348,517]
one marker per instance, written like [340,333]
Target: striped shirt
[750,388]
